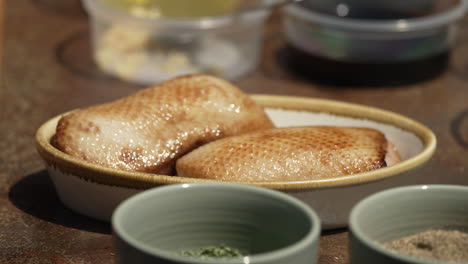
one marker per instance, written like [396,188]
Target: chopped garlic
[131,54]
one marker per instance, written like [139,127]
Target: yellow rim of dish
[139,180]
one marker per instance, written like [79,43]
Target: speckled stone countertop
[47,69]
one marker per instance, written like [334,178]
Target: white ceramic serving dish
[95,191]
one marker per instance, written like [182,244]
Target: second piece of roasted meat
[290,154]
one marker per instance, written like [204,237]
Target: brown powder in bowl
[443,245]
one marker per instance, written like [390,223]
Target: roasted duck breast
[289,154]
[149,130]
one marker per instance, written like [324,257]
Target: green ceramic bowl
[266,226]
[400,212]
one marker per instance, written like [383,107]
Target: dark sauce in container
[342,73]
[355,73]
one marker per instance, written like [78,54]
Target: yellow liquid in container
[175,8]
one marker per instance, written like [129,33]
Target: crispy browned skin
[287,154]
[149,130]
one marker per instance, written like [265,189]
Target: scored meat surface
[288,154]
[149,130]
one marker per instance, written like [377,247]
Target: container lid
[380,25]
[99,9]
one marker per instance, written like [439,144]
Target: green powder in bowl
[221,251]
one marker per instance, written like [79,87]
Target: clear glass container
[149,41]
[381,42]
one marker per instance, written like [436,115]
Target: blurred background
[410,57]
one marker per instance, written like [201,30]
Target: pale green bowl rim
[388,194]
[309,238]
